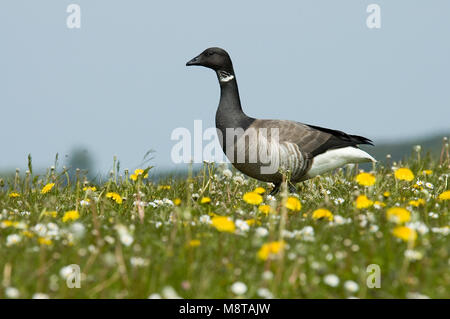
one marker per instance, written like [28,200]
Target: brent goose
[305,150]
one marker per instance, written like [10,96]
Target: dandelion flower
[90,188]
[45,241]
[404,174]
[14,194]
[405,233]
[387,194]
[48,187]
[259,190]
[252,198]
[427,172]
[164,187]
[322,213]
[265,209]
[205,200]
[114,196]
[71,215]
[51,214]
[194,243]
[363,202]
[177,201]
[223,224]
[293,203]
[398,215]
[417,203]
[365,179]
[270,249]
[445,195]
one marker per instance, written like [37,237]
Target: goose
[267,149]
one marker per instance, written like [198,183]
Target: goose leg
[275,190]
[292,188]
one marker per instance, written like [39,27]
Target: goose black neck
[229,113]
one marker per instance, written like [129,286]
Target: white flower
[125,236]
[413,254]
[84,202]
[307,233]
[242,225]
[441,230]
[264,293]
[169,293]
[416,295]
[239,288]
[66,271]
[429,185]
[420,227]
[351,286]
[271,198]
[195,196]
[158,224]
[205,219]
[227,173]
[78,230]
[331,280]
[138,262]
[13,239]
[261,232]
[238,179]
[154,296]
[339,201]
[40,295]
[267,275]
[12,292]
[167,201]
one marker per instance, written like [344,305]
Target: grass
[158,240]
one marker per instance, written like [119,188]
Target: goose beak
[194,61]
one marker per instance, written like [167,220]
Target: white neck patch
[224,76]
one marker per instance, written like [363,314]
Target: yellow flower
[90,188]
[365,179]
[194,243]
[14,194]
[250,222]
[223,224]
[387,194]
[71,215]
[114,196]
[270,249]
[445,195]
[8,223]
[177,201]
[293,203]
[138,172]
[363,202]
[259,190]
[48,187]
[427,172]
[417,203]
[405,233]
[322,213]
[378,203]
[252,198]
[45,241]
[51,214]
[166,187]
[27,233]
[398,215]
[265,209]
[404,174]
[205,200]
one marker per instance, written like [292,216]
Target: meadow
[382,233]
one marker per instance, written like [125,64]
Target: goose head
[216,59]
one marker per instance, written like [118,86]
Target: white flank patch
[333,159]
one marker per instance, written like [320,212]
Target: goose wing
[312,140]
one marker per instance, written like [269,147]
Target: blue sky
[119,85]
